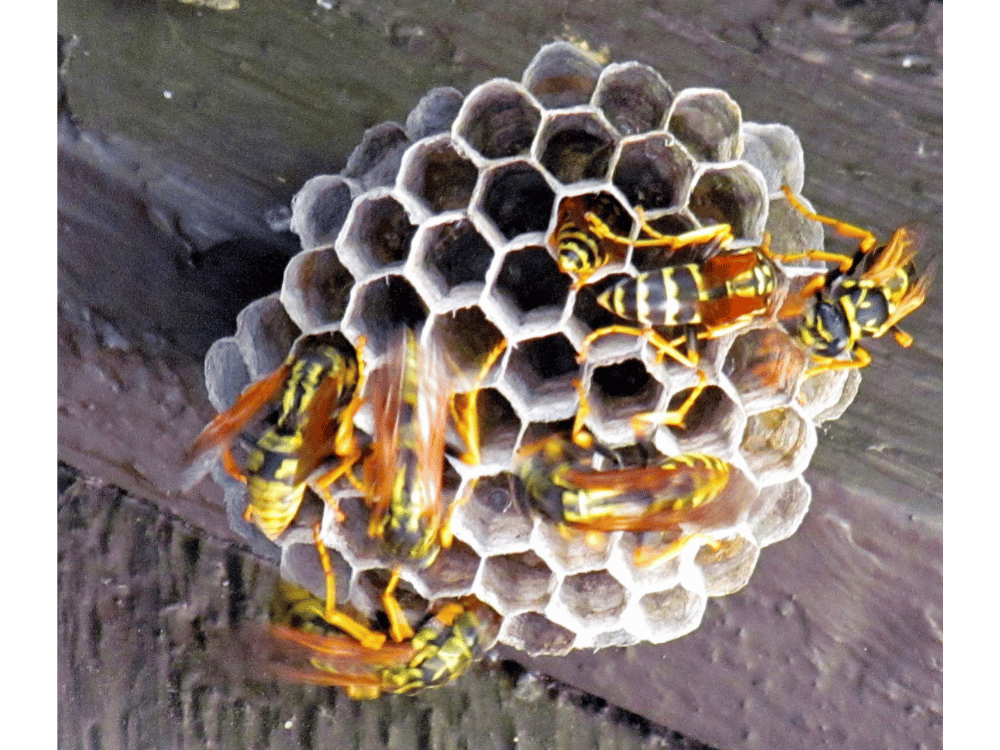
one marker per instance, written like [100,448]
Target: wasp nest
[443,223]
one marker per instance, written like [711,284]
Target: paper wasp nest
[443,222]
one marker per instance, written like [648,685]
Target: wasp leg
[366,637]
[399,628]
[467,419]
[860,359]
[674,418]
[645,558]
[866,240]
[663,347]
[721,233]
[581,435]
[904,339]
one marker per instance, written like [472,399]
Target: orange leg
[720,232]
[663,347]
[861,359]
[645,558]
[580,434]
[866,240]
[399,628]
[673,418]
[366,637]
[467,419]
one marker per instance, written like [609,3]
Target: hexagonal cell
[492,518]
[765,366]
[498,119]
[654,172]
[731,195]
[453,258]
[633,96]
[728,568]
[375,161]
[561,75]
[451,574]
[594,598]
[434,113]
[264,334]
[576,146]
[536,635]
[571,550]
[468,337]
[346,530]
[779,511]
[320,209]
[316,288]
[777,153]
[777,444]
[518,582]
[648,577]
[827,395]
[707,121]
[672,613]
[438,175]
[541,372]
[517,198]
[377,236]
[792,233]
[618,392]
[226,373]
[382,306]
[531,287]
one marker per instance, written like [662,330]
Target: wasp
[580,252]
[306,649]
[403,470]
[865,296]
[308,406]
[562,485]
[712,297]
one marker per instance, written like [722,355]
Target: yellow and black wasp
[719,294]
[561,484]
[580,252]
[412,397]
[304,411]
[865,296]
[304,648]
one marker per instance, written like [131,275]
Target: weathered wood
[149,610]
[163,238]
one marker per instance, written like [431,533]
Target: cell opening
[654,172]
[381,232]
[387,304]
[530,280]
[498,120]
[441,177]
[633,97]
[576,147]
[518,199]
[456,254]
